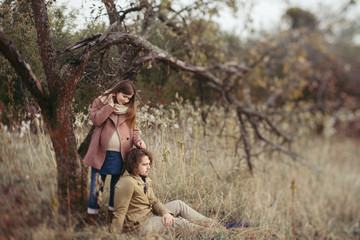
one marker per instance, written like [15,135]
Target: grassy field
[281,200]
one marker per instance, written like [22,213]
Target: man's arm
[158,208]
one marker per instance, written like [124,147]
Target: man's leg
[155,226]
[181,209]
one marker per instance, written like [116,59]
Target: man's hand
[168,220]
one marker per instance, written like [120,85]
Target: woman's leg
[114,180]
[93,206]
[110,215]
[113,165]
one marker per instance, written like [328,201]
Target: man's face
[143,168]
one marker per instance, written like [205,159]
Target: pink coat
[104,120]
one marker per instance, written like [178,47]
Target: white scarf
[118,108]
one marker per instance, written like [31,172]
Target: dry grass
[203,172]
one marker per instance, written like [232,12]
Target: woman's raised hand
[110,98]
[141,144]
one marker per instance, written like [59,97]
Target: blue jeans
[112,166]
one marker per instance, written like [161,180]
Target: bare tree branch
[278,147]
[129,10]
[81,43]
[111,11]
[47,51]
[244,137]
[22,68]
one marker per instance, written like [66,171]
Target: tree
[54,96]
[301,18]
[54,102]
[12,90]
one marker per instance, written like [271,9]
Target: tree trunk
[56,111]
[72,172]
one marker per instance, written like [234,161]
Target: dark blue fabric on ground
[236,224]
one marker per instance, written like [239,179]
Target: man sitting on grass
[136,208]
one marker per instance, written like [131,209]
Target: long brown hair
[133,158]
[126,87]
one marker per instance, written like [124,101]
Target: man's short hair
[133,158]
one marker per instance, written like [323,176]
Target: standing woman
[113,114]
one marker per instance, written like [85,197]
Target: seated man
[137,209]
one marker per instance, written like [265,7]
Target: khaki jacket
[104,120]
[132,206]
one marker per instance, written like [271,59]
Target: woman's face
[122,98]
[143,167]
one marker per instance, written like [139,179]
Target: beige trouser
[186,218]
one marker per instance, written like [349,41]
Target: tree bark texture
[72,174]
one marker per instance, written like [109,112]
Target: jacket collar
[122,118]
[137,178]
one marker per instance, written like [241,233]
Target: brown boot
[110,216]
[91,218]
